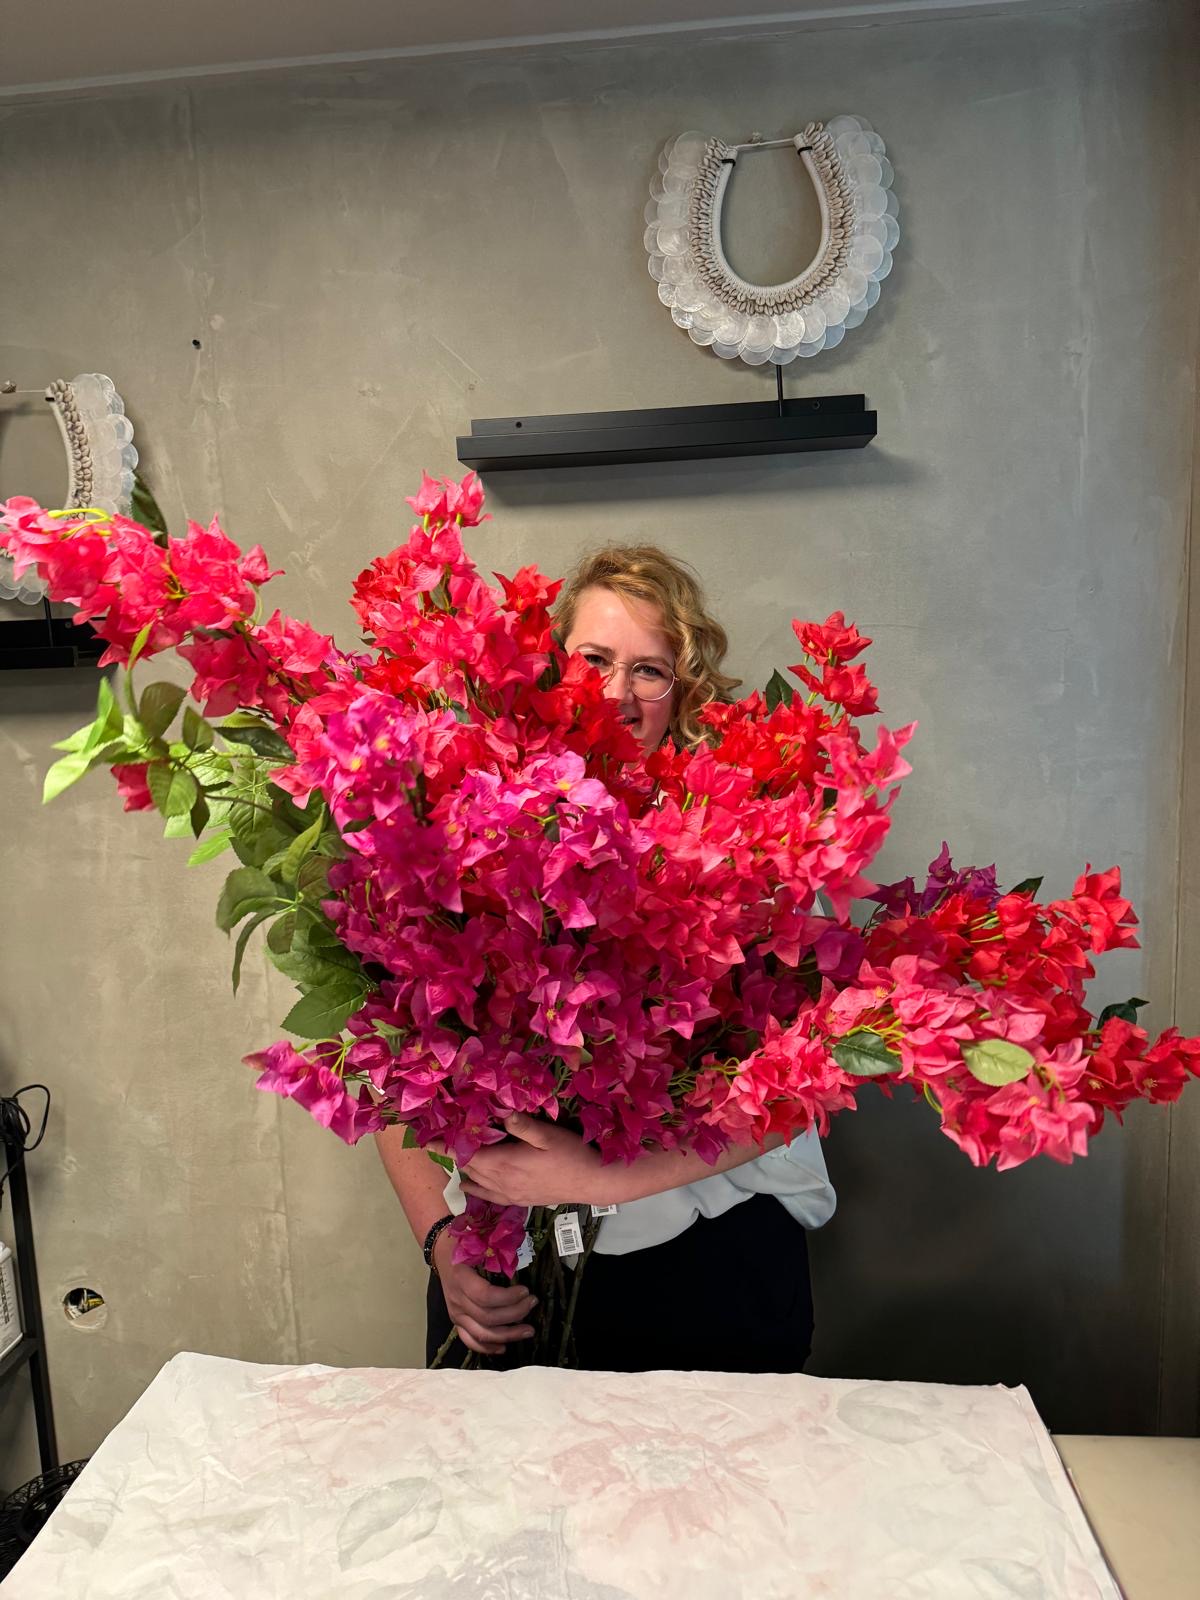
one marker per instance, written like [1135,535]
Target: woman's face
[608,628]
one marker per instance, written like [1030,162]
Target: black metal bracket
[676,433]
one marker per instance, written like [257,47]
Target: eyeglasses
[647,679]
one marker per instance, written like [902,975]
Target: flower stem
[440,1358]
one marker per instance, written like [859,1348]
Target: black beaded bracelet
[431,1239]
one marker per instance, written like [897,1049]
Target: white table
[229,1481]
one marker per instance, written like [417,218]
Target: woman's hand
[487,1317]
[539,1164]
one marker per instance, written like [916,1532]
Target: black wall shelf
[47,641]
[676,433]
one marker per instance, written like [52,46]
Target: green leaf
[393,1037]
[313,878]
[199,816]
[274,861]
[218,813]
[208,849]
[245,890]
[410,1142]
[997,1061]
[75,741]
[306,967]
[778,691]
[101,731]
[139,644]
[322,1014]
[243,940]
[257,736]
[144,508]
[112,754]
[247,856]
[63,773]
[259,834]
[552,675]
[158,707]
[299,848]
[212,767]
[108,712]
[321,937]
[172,789]
[178,827]
[105,727]
[146,747]
[1127,1010]
[282,934]
[310,954]
[1029,886]
[197,733]
[864,1054]
[320,932]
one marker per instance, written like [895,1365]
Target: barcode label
[604,1211]
[568,1239]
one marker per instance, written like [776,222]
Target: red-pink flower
[132,786]
[832,639]
[229,672]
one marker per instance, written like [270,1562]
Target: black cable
[16,1126]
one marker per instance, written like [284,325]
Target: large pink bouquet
[490,903]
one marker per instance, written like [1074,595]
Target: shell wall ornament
[847,162]
[101,456]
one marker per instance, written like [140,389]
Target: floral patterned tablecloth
[231,1481]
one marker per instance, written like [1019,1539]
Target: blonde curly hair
[699,642]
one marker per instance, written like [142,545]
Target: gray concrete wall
[369,258]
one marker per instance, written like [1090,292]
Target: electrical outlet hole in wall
[85,1308]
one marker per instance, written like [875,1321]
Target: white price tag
[568,1240]
[604,1211]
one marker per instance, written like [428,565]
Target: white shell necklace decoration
[98,439]
[847,162]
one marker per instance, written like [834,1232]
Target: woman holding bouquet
[702,1266]
[610,919]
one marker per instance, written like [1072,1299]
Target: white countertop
[1142,1498]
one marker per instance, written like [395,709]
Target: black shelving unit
[31,1350]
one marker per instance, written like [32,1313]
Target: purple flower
[943,880]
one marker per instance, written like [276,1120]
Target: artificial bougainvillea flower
[492,902]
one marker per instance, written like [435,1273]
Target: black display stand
[31,1351]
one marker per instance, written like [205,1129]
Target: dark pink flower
[323,1093]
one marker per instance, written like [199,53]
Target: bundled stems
[566,1347]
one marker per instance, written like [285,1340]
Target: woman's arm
[488,1316]
[541,1164]
[417,1180]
